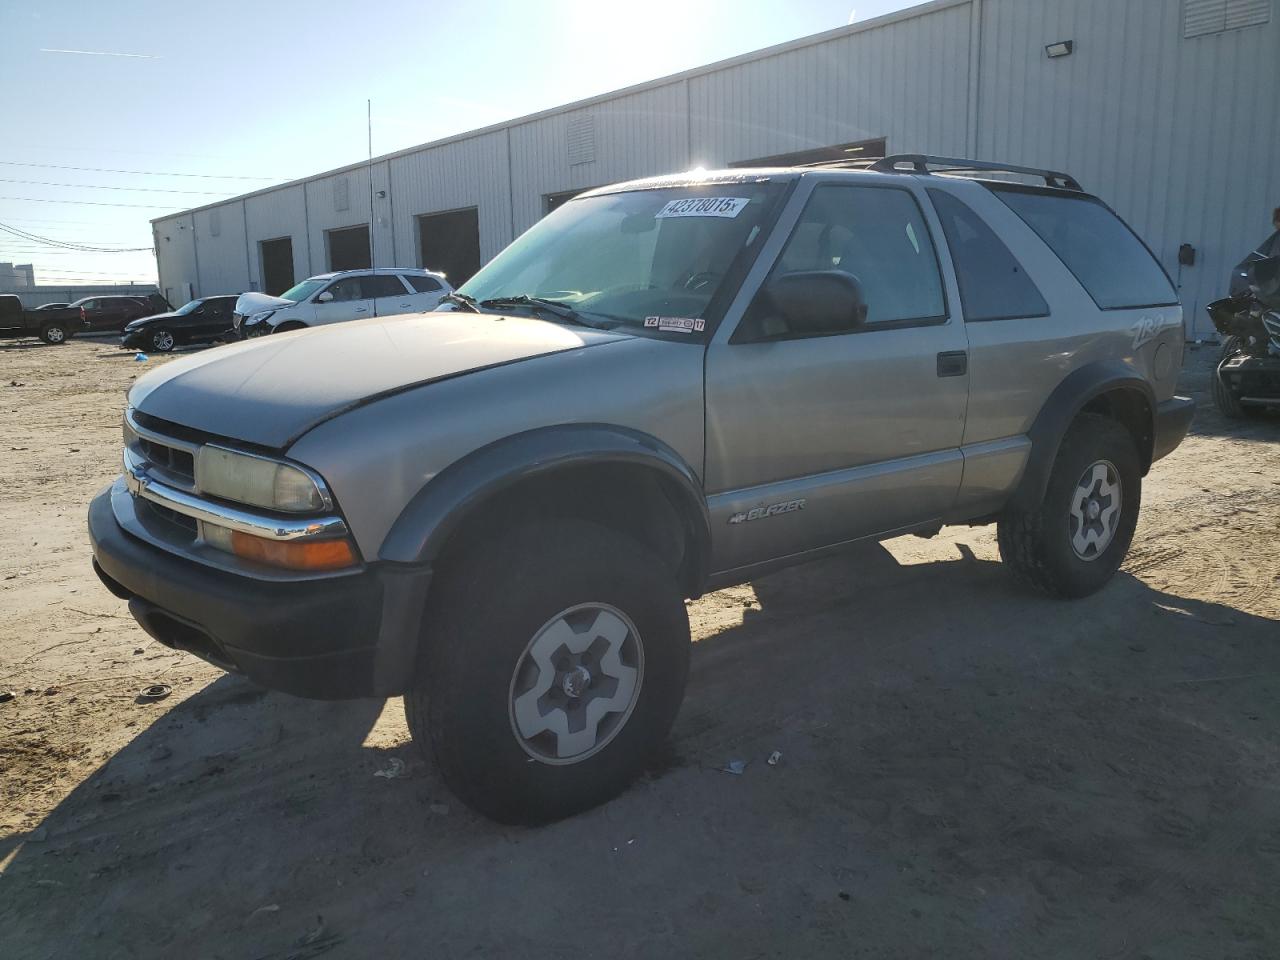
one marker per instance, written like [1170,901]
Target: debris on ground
[6,696]
[141,357]
[774,758]
[736,767]
[50,691]
[395,768]
[266,910]
[157,691]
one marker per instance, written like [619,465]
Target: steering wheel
[699,280]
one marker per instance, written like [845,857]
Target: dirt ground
[965,771]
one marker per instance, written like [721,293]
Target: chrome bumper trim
[146,487]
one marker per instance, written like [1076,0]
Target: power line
[98,186]
[146,173]
[85,248]
[92,203]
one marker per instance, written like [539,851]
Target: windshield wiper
[462,300]
[554,307]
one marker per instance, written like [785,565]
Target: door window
[875,235]
[383,285]
[993,285]
[347,289]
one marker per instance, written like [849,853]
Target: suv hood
[143,321]
[271,390]
[251,303]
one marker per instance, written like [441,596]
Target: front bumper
[134,339]
[1173,420]
[327,638]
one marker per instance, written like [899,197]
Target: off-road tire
[1036,544]
[54,334]
[1228,403]
[489,603]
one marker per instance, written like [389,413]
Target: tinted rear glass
[422,284]
[993,285]
[1104,255]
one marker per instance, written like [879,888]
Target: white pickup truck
[337,297]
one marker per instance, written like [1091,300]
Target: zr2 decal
[1146,330]
[772,510]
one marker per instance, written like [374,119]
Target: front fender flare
[424,525]
[1071,396]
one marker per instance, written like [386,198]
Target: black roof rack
[920,163]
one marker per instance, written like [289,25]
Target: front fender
[1070,397]
[424,525]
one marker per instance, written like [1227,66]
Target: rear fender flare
[1068,399]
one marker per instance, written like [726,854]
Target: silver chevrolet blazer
[664,387]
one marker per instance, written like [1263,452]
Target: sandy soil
[966,771]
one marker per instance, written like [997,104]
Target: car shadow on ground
[965,769]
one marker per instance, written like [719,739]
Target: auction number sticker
[676,324]
[703,207]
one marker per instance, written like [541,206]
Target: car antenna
[373,224]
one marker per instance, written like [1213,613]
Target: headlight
[259,481]
[262,317]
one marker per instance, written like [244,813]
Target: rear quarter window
[1099,249]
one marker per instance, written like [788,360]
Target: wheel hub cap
[576,683]
[1095,510]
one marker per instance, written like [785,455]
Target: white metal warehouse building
[1167,109]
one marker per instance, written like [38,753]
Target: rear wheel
[1224,398]
[53,333]
[161,340]
[554,699]
[1072,543]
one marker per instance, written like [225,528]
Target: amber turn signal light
[294,554]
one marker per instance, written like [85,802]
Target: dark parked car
[200,321]
[50,325]
[112,313]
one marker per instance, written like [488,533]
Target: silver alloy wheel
[1095,509]
[162,340]
[55,334]
[576,683]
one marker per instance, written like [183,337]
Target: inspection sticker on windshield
[703,207]
[676,324]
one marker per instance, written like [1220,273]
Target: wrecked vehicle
[1247,379]
[660,389]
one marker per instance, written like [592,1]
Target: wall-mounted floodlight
[1062,48]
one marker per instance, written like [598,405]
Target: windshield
[641,258]
[186,308]
[301,291]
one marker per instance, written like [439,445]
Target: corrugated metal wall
[280,213]
[1178,134]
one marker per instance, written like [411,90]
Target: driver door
[350,301]
[818,435]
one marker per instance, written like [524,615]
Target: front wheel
[161,341]
[556,664]
[1072,543]
[53,333]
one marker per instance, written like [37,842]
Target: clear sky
[238,95]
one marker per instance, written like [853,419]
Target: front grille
[180,520]
[171,460]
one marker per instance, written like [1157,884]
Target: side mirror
[818,301]
[324,297]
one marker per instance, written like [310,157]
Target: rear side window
[993,285]
[1107,257]
[422,284]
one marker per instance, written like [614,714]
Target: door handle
[406,306]
[361,310]
[953,363]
